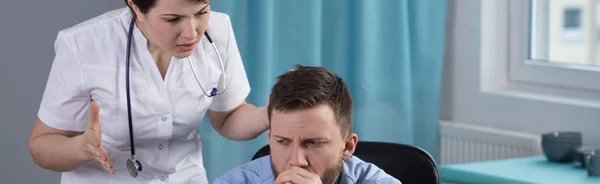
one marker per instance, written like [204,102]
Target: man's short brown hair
[308,87]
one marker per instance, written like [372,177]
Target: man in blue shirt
[310,115]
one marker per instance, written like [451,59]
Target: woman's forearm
[57,152]
[245,123]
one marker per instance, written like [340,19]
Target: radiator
[460,143]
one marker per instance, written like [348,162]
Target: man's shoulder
[359,171]
[254,172]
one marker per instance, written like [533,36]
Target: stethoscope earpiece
[134,166]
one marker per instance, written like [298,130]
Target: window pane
[566,31]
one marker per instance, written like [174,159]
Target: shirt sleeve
[236,81]
[64,104]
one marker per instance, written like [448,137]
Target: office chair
[409,164]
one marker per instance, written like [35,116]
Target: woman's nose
[189,30]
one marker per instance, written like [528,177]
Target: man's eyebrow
[304,139]
[281,137]
[315,139]
[177,15]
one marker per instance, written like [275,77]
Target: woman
[171,79]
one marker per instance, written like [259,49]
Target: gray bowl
[561,146]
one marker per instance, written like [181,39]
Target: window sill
[550,95]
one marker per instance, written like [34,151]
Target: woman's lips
[186,47]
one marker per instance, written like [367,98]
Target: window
[555,43]
[492,79]
[571,30]
[572,18]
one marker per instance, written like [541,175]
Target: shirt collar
[339,179]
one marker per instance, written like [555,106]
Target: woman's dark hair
[146,5]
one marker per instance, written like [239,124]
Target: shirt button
[160,146]
[164,118]
[162,178]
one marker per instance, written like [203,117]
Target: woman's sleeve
[65,103]
[237,83]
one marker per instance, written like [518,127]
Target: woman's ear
[136,10]
[350,145]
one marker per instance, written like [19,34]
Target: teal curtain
[388,51]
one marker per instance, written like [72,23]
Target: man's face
[309,139]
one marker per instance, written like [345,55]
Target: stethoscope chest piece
[133,166]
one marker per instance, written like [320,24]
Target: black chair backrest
[409,164]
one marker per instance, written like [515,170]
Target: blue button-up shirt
[354,171]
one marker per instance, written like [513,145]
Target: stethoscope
[134,166]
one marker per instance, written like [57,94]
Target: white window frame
[526,71]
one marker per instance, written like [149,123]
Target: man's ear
[350,145]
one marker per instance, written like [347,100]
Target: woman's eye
[173,20]
[201,13]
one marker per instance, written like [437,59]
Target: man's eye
[313,143]
[282,141]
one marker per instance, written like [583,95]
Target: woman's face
[174,26]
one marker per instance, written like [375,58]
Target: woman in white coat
[128,88]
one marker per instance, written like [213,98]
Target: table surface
[525,170]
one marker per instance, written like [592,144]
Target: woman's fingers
[99,154]
[104,160]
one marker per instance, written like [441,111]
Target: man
[310,115]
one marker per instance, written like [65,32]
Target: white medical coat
[90,64]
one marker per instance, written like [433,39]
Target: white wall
[463,100]
[27,33]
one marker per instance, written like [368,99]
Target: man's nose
[298,158]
